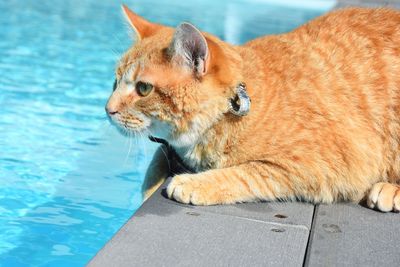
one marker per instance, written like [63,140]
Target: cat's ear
[142,27]
[189,47]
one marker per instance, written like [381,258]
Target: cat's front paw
[384,197]
[189,189]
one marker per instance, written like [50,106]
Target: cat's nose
[111,112]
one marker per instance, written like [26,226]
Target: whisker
[143,145]
[118,47]
[129,149]
[106,125]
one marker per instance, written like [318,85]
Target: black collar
[173,157]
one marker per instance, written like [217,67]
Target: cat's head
[173,83]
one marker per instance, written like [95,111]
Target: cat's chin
[129,132]
[130,126]
[126,130]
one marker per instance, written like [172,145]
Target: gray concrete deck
[166,233]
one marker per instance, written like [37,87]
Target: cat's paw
[189,189]
[384,197]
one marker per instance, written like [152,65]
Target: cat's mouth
[130,123]
[135,123]
[138,124]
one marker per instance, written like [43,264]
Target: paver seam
[310,237]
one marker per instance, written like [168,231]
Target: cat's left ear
[142,27]
[189,47]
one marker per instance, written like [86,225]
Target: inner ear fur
[190,48]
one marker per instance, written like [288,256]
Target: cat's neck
[205,153]
[211,148]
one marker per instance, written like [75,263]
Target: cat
[312,115]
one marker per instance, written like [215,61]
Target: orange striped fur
[324,123]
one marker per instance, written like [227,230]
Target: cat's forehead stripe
[131,73]
[165,75]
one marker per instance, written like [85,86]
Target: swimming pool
[68,180]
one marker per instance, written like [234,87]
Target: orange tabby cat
[323,124]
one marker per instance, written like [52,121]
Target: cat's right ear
[142,27]
[190,48]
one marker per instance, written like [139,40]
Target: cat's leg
[242,183]
[384,197]
[156,173]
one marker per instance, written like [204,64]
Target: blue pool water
[68,180]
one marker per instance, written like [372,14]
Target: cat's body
[324,121]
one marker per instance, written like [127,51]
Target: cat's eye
[143,89]
[115,85]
